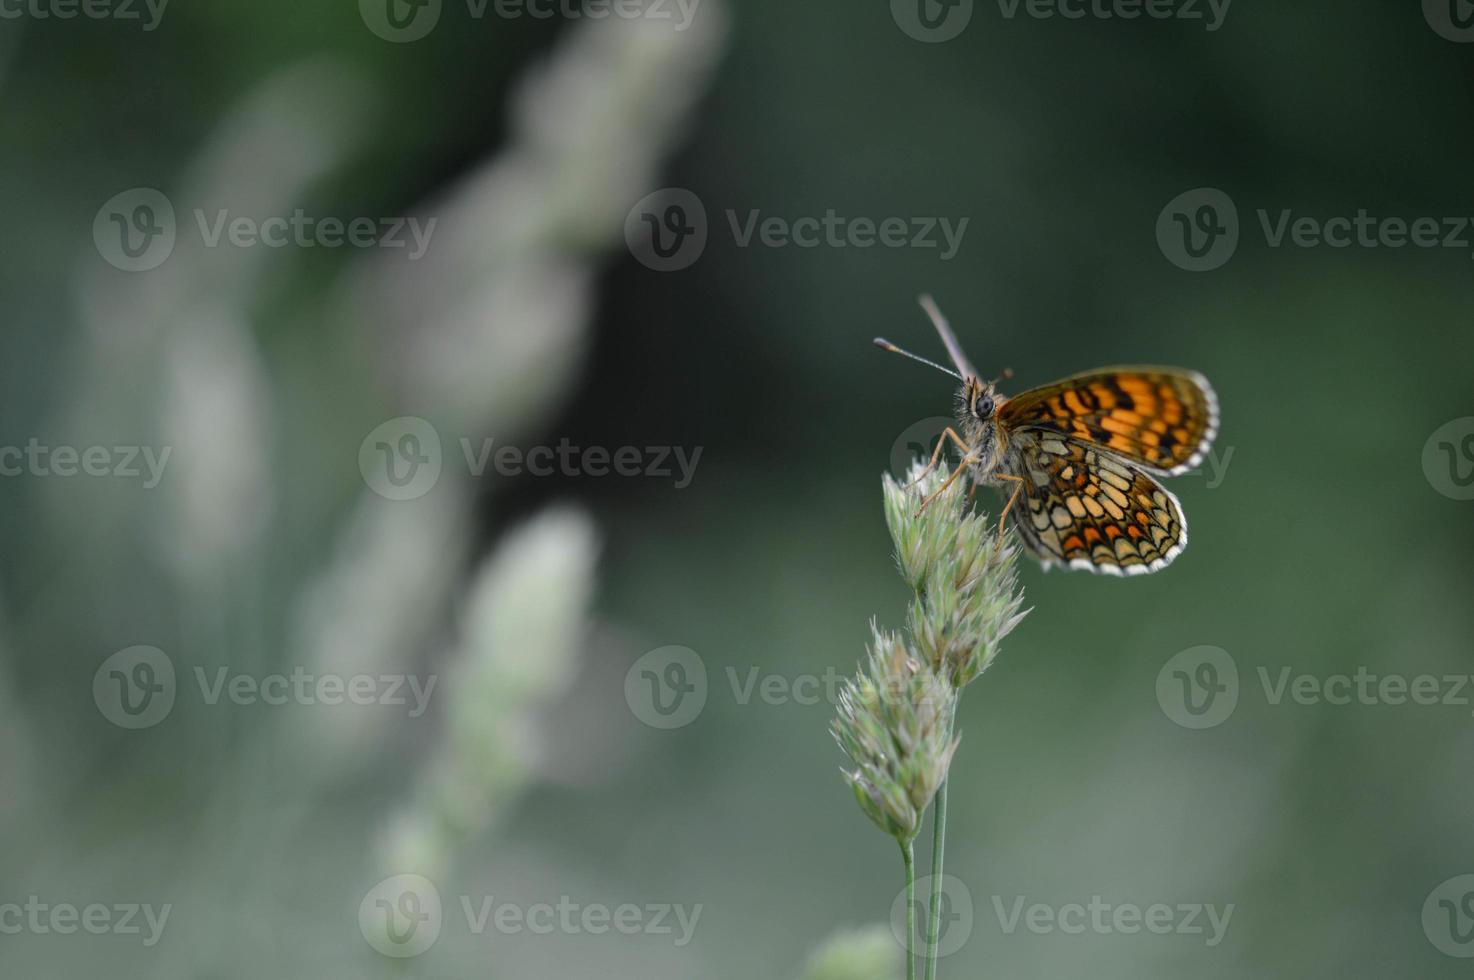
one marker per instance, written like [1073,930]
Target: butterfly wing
[1083,507]
[1164,419]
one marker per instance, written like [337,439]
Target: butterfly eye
[982,406]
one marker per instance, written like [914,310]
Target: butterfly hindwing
[1085,508]
[1162,418]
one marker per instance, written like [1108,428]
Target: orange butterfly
[1084,454]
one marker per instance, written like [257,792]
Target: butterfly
[1083,457]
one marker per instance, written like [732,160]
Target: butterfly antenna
[949,339]
[884,344]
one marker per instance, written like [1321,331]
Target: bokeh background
[1328,531]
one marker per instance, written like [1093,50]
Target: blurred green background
[1320,540]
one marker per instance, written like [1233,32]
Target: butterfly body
[1080,459]
[977,420]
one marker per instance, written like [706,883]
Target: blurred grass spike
[383,589]
[172,358]
[526,614]
[490,321]
[869,953]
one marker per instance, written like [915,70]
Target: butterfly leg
[966,462]
[937,453]
[1017,489]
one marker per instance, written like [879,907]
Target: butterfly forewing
[1162,418]
[1085,508]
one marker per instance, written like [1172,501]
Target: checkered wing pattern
[1163,419]
[1082,507]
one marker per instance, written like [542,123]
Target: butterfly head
[979,399]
